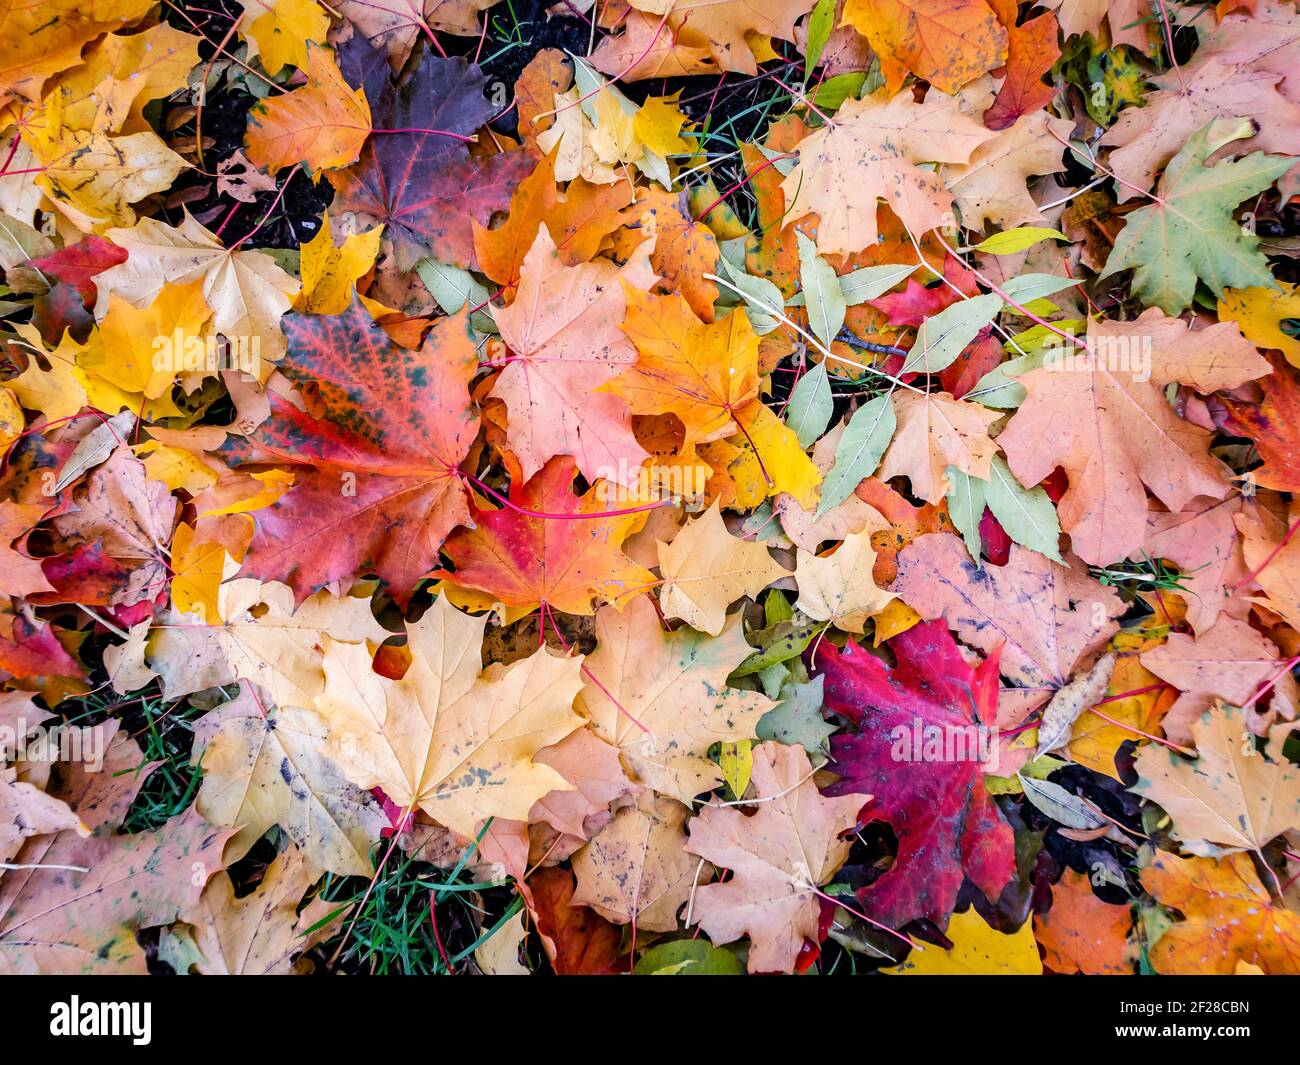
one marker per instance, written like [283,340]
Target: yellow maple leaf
[126,73]
[977,950]
[138,353]
[330,272]
[196,574]
[282,30]
[92,174]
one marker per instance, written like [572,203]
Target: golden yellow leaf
[93,175]
[329,273]
[247,290]
[977,950]
[140,352]
[125,73]
[37,40]
[196,574]
[658,125]
[282,29]
[1260,313]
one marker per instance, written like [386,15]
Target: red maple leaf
[380,486]
[917,301]
[946,823]
[77,264]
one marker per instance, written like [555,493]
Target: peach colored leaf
[1105,421]
[706,569]
[778,857]
[83,917]
[635,870]
[563,332]
[1045,617]
[662,698]
[1227,661]
[870,153]
[934,432]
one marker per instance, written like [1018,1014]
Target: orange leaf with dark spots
[377,486]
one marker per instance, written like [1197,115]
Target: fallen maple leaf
[779,857]
[281,32]
[263,638]
[74,904]
[415,174]
[1272,424]
[940,41]
[1228,661]
[549,546]
[578,941]
[321,125]
[1230,918]
[384,488]
[247,290]
[1043,617]
[977,950]
[38,40]
[991,187]
[869,153]
[1112,432]
[456,744]
[562,329]
[1081,933]
[262,767]
[946,823]
[935,432]
[634,870]
[94,174]
[839,588]
[1146,138]
[662,697]
[706,569]
[1231,794]
[1188,233]
[1032,51]
[257,934]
